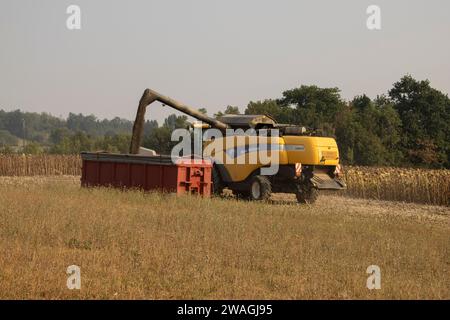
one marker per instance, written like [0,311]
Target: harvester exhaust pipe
[151,96]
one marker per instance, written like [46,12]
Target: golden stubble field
[132,245]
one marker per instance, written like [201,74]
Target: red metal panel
[137,175]
[106,173]
[194,176]
[148,173]
[121,179]
[83,174]
[154,174]
[90,178]
[169,181]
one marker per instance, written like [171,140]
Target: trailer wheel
[260,188]
[307,194]
[217,182]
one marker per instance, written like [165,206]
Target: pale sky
[210,53]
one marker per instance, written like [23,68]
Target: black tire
[260,188]
[217,187]
[241,195]
[307,194]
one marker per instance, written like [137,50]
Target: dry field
[157,246]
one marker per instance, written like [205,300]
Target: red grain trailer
[184,175]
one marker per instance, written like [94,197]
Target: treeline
[408,126]
[34,133]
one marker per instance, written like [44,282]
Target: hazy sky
[210,53]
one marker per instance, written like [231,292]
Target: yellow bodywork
[240,157]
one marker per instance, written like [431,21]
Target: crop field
[135,245]
[399,184]
[409,185]
[39,165]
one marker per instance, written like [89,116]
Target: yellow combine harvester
[304,163]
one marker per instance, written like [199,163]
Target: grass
[132,245]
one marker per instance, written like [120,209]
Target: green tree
[368,132]
[313,107]
[58,134]
[7,138]
[159,140]
[228,110]
[6,150]
[425,115]
[268,107]
[117,143]
[32,148]
[173,122]
[74,144]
